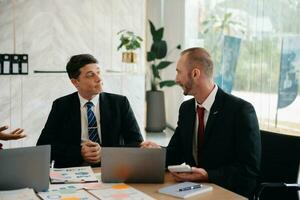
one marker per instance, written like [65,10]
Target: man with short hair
[217,133]
[79,124]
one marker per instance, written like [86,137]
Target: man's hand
[149,144]
[14,135]
[91,152]
[197,174]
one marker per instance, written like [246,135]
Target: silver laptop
[132,165]
[25,167]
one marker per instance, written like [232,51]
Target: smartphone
[180,168]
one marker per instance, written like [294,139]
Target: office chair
[279,167]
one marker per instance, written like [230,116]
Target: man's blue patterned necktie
[92,123]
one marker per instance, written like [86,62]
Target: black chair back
[279,164]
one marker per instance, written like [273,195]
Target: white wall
[50,32]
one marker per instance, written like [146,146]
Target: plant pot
[129,57]
[156,115]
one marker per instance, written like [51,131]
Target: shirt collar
[83,101]
[208,102]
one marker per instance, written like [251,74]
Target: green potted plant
[130,41]
[156,117]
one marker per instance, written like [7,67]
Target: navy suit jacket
[63,127]
[232,146]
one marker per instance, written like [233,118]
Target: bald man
[217,133]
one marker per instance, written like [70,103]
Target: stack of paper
[72,175]
[185,189]
[24,194]
[87,190]
[105,191]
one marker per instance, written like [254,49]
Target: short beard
[188,86]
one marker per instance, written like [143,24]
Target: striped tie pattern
[92,123]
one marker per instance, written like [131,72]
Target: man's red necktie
[200,113]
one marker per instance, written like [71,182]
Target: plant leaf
[167,83]
[120,31]
[158,35]
[150,56]
[129,46]
[130,33]
[120,46]
[163,64]
[159,48]
[139,38]
[152,29]
[205,22]
[124,40]
[155,71]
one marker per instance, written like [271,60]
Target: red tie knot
[200,110]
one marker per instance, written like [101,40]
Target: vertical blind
[255,46]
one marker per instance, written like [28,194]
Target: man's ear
[196,72]
[74,82]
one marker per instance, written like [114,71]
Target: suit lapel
[105,118]
[214,114]
[188,128]
[75,117]
[190,121]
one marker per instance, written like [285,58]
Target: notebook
[26,167]
[132,165]
[185,190]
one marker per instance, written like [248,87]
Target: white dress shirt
[207,104]
[84,119]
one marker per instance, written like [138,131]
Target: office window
[255,46]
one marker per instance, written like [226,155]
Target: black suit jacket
[232,146]
[63,127]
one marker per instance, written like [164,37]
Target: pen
[190,188]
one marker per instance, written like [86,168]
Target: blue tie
[92,123]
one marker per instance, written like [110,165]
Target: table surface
[152,190]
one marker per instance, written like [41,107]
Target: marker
[190,188]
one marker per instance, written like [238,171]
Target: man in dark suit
[79,124]
[217,133]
